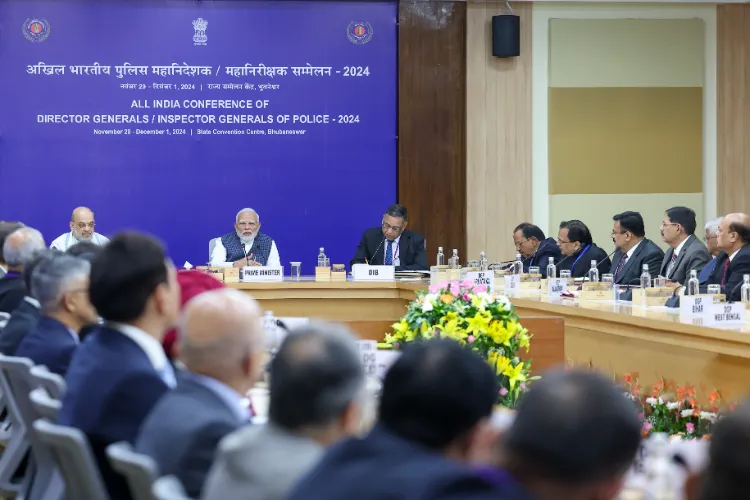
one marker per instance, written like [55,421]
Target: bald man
[222,346]
[732,237]
[81,229]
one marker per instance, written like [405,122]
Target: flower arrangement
[482,322]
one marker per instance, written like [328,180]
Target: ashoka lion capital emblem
[200,25]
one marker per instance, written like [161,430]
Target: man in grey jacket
[686,253]
[316,387]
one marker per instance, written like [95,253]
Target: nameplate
[368,350]
[262,273]
[364,272]
[385,358]
[696,306]
[726,314]
[512,283]
[486,278]
[556,287]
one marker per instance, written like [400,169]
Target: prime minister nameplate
[251,274]
[365,272]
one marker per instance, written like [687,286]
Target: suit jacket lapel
[683,252]
[665,262]
[635,255]
[403,247]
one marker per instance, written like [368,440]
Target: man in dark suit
[734,262]
[222,345]
[20,247]
[392,244]
[60,283]
[118,374]
[711,228]
[535,249]
[686,252]
[436,400]
[633,250]
[579,250]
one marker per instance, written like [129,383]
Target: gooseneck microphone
[376,251]
[605,258]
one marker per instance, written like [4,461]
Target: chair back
[19,410]
[140,471]
[74,459]
[211,246]
[169,488]
[4,317]
[44,405]
[52,382]
[16,373]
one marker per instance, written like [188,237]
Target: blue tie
[389,254]
[706,271]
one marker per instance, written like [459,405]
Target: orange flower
[446,298]
[628,378]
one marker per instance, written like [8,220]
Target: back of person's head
[22,245]
[5,229]
[132,276]
[530,231]
[316,379]
[28,269]
[436,394]
[683,216]
[631,221]
[727,476]
[85,250]
[578,231]
[574,429]
[54,276]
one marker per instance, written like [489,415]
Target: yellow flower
[451,329]
[410,335]
[478,324]
[515,374]
[498,333]
[502,365]
[523,341]
[401,327]
[479,302]
[390,339]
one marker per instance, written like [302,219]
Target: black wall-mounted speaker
[506,36]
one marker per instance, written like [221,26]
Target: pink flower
[646,427]
[396,345]
[466,297]
[471,339]
[690,428]
[443,285]
[480,288]
[523,386]
[467,284]
[503,392]
[434,289]
[455,290]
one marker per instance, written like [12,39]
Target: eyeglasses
[84,225]
[519,243]
[561,242]
[664,224]
[247,224]
[705,240]
[396,229]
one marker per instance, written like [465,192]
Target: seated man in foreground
[82,226]
[392,244]
[733,237]
[246,246]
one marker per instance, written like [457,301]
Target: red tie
[726,268]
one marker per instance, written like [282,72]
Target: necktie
[670,267]
[389,254]
[726,269]
[620,266]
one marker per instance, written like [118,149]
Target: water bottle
[551,269]
[456,264]
[322,259]
[483,265]
[693,284]
[440,257]
[518,265]
[645,277]
[594,272]
[745,290]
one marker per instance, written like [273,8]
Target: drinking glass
[714,289]
[565,274]
[660,282]
[296,271]
[608,278]
[534,270]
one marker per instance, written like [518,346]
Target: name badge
[696,306]
[368,350]
[486,278]
[556,287]
[364,272]
[727,314]
[512,283]
[262,273]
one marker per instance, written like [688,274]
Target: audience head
[222,337]
[712,228]
[628,230]
[82,224]
[439,395]
[678,224]
[574,436]
[733,233]
[60,283]
[317,383]
[527,238]
[28,269]
[727,476]
[247,224]
[573,236]
[132,281]
[191,283]
[21,246]
[5,229]
[394,221]
[85,250]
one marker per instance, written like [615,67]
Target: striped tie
[670,267]
[620,266]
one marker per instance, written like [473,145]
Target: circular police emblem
[359,32]
[35,29]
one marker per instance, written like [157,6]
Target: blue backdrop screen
[170,117]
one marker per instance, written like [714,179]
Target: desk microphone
[376,251]
[605,258]
[247,257]
[732,292]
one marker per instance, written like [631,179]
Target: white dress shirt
[219,255]
[152,348]
[734,254]
[676,253]
[67,240]
[632,250]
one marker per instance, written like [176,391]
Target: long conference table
[651,344]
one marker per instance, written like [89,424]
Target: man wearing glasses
[686,252]
[392,244]
[246,246]
[711,241]
[733,237]
[81,229]
[634,249]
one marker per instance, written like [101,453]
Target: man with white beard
[246,245]
[81,229]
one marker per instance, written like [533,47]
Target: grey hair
[246,210]
[52,278]
[712,226]
[19,251]
[316,375]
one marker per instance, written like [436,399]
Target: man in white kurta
[81,229]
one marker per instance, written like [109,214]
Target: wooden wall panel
[733,108]
[432,121]
[499,134]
